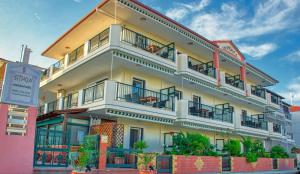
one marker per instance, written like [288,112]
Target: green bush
[192,144]
[278,152]
[139,146]
[253,149]
[233,147]
[251,157]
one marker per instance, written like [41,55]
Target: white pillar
[182,62]
[86,48]
[182,108]
[60,103]
[115,34]
[110,91]
[80,97]
[66,60]
[46,108]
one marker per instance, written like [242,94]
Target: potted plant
[146,163]
[80,160]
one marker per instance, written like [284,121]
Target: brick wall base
[240,164]
[286,164]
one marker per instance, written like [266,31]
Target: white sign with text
[21,85]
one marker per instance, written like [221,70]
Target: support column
[216,61]
[86,48]
[102,152]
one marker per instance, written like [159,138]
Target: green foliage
[84,156]
[192,144]
[253,149]
[145,160]
[233,147]
[251,157]
[140,146]
[278,152]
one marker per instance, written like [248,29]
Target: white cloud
[258,51]
[182,10]
[293,57]
[36,15]
[78,1]
[231,22]
[292,90]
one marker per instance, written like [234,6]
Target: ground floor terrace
[59,134]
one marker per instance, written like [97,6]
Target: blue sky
[267,32]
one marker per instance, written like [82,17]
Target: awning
[56,113]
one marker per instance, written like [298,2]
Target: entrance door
[136,134]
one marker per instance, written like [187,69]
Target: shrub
[233,147]
[192,144]
[253,149]
[278,152]
[251,157]
[140,146]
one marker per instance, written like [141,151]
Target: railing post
[46,108]
[66,63]
[86,48]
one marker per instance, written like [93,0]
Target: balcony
[196,115]
[147,44]
[277,128]
[234,81]
[93,93]
[255,121]
[141,96]
[258,91]
[221,112]
[207,68]
[70,101]
[59,65]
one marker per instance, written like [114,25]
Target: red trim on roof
[78,23]
[232,44]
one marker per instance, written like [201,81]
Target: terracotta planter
[131,158]
[111,158]
[146,172]
[76,172]
[119,160]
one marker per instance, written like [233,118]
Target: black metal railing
[41,109]
[59,65]
[148,44]
[99,40]
[258,91]
[93,93]
[226,163]
[45,74]
[234,81]
[275,99]
[145,97]
[202,67]
[71,100]
[255,121]
[276,128]
[121,158]
[52,106]
[218,112]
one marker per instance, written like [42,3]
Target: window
[77,134]
[76,54]
[219,144]
[136,134]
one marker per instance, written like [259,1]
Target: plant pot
[119,160]
[111,158]
[76,172]
[131,158]
[146,172]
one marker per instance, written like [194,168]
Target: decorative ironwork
[164,164]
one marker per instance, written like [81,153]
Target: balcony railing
[145,97]
[52,106]
[258,91]
[219,112]
[99,40]
[59,65]
[204,68]
[93,93]
[275,99]
[147,44]
[70,101]
[75,55]
[41,109]
[277,128]
[255,121]
[234,81]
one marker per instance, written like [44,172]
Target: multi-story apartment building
[126,64]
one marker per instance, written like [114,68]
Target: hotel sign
[21,85]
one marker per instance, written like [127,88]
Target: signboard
[21,85]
